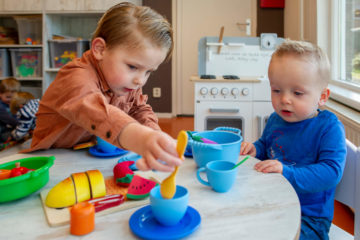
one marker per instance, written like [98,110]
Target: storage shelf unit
[66,17]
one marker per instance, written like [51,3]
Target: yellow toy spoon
[168,186]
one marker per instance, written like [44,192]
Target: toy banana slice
[78,187]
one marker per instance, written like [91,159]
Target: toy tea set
[77,198]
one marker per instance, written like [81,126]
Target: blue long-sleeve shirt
[313,154]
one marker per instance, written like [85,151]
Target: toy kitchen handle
[224,110]
[202,169]
[204,145]
[261,124]
[229,129]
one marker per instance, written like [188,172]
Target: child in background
[101,93]
[25,106]
[8,87]
[305,144]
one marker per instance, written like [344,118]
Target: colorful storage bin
[30,29]
[65,50]
[26,62]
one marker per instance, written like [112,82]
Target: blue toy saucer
[98,153]
[144,225]
[130,156]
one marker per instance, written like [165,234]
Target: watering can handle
[200,144]
[229,129]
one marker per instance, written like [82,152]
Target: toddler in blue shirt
[300,141]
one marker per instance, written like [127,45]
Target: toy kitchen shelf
[66,17]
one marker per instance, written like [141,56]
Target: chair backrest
[348,190]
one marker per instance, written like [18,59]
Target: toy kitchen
[232,88]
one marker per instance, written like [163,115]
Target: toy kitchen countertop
[259,206]
[226,78]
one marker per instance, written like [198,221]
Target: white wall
[300,20]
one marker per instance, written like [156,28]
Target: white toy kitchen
[232,88]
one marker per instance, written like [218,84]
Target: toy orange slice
[82,186]
[97,183]
[4,174]
[61,195]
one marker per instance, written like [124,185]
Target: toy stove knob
[203,91]
[224,91]
[214,91]
[235,91]
[245,91]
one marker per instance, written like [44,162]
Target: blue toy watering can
[227,148]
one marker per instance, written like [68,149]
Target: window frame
[344,92]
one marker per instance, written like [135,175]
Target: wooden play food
[82,218]
[77,188]
[140,187]
[168,186]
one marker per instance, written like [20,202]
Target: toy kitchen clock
[231,88]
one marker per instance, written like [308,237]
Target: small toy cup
[82,218]
[104,146]
[220,174]
[169,212]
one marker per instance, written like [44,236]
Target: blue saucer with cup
[165,218]
[144,225]
[105,149]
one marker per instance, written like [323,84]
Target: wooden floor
[343,216]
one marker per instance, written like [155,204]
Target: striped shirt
[26,117]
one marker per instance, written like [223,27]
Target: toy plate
[144,225]
[98,153]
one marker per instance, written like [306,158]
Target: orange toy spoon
[168,186]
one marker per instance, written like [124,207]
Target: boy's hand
[269,166]
[248,149]
[152,146]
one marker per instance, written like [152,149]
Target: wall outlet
[156,92]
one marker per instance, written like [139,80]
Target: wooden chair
[348,192]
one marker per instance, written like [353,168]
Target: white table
[259,206]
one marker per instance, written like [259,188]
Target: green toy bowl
[22,186]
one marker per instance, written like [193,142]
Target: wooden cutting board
[59,217]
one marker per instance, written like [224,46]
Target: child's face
[6,97]
[127,69]
[296,91]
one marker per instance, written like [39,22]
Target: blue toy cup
[169,212]
[105,146]
[221,175]
[228,147]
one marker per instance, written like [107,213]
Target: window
[345,52]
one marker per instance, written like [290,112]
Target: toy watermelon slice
[140,188]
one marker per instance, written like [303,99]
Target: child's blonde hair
[126,23]
[20,99]
[9,85]
[308,52]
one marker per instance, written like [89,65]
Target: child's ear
[98,46]
[324,96]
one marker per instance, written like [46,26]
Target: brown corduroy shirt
[79,104]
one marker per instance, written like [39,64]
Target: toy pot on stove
[227,148]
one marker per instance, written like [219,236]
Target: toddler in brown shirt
[100,93]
